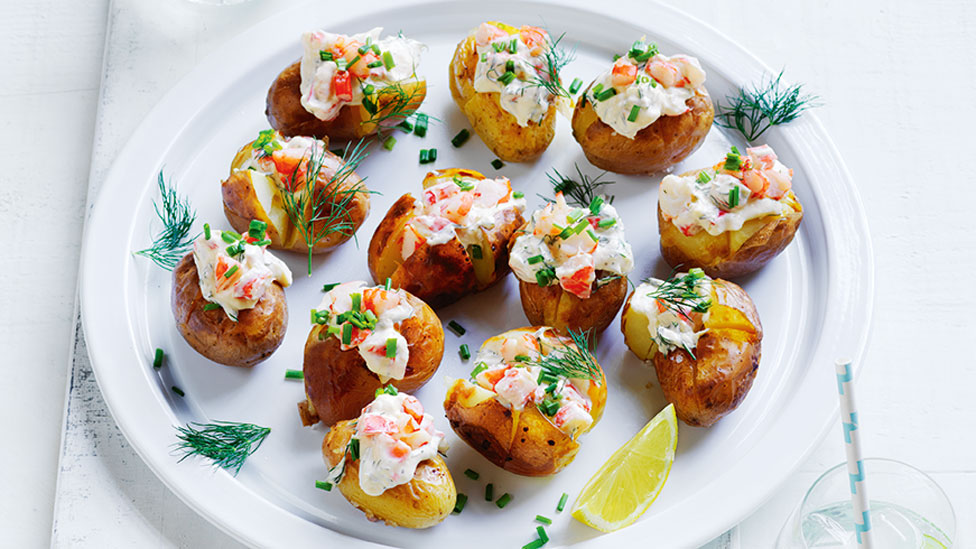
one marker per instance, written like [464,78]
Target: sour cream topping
[368,319]
[521,53]
[459,207]
[505,367]
[236,282]
[569,245]
[287,159]
[395,436]
[670,324]
[644,91]
[326,87]
[724,197]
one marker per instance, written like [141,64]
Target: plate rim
[246,518]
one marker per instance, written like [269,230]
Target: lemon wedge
[629,482]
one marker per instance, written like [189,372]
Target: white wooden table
[896,82]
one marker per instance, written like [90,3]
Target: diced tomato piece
[342,85]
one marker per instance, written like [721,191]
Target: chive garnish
[294,374]
[423,156]
[374,64]
[534,544]
[509,66]
[575,86]
[389,143]
[604,223]
[211,307]
[405,126]
[461,138]
[388,284]
[562,502]
[375,48]
[420,126]
[475,251]
[606,94]
[503,501]
[386,390]
[507,78]
[388,60]
[322,485]
[481,367]
[543,520]
[464,352]
[354,448]
[228,237]
[634,111]
[497,164]
[596,204]
[517,194]
[471,474]
[206,231]
[456,328]
[325,55]
[489,492]
[459,503]
[391,346]
[328,287]
[158,358]
[543,536]
[703,177]
[513,45]
[357,301]
[535,259]
[178,391]
[346,334]
[230,272]
[497,46]
[733,197]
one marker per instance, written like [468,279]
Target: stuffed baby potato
[362,338]
[310,199]
[451,241]
[347,87]
[646,113]
[386,463]
[704,338]
[228,299]
[531,395]
[503,78]
[730,219]
[572,264]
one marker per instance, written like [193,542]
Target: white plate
[814,300]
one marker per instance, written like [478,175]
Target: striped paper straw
[852,443]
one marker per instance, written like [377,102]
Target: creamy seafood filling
[512,65]
[670,308]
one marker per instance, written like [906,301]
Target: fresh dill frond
[580,191]
[770,103]
[571,361]
[390,105]
[227,444]
[679,293]
[319,211]
[555,59]
[171,243]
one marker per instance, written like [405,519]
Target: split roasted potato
[554,306]
[268,188]
[473,259]
[525,442]
[498,128]
[338,383]
[706,385]
[421,503]
[255,335]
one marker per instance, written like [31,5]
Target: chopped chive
[604,223]
[481,367]
[543,536]
[230,272]
[535,259]
[341,64]
[328,287]
[322,485]
[456,328]
[368,89]
[634,111]
[387,390]
[432,155]
[545,276]
[428,155]
[313,316]
[158,358]
[206,231]
[507,78]
[228,237]
[543,520]
[566,233]
[534,544]
[423,156]
[471,474]
[517,194]
[484,57]
[333,330]
[592,235]
[375,48]
[509,66]
[475,251]
[606,94]
[374,64]
[325,55]
[357,301]
[734,196]
[616,56]
[388,60]
[596,204]
[354,61]
[497,46]
[391,346]
[562,502]
[388,284]
[513,45]
[575,86]
[354,448]
[464,352]
[522,358]
[346,334]
[211,307]
[503,501]
[461,138]
[420,126]
[364,48]
[264,242]
[178,391]
[389,143]
[405,126]
[497,164]
[489,492]
[596,89]
[459,503]
[294,374]
[703,177]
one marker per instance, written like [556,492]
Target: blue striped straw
[852,443]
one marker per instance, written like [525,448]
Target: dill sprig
[579,191]
[390,104]
[770,103]
[678,293]
[319,212]
[226,443]
[171,243]
[556,58]
[570,361]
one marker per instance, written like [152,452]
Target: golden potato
[554,306]
[343,203]
[498,128]
[286,113]
[421,503]
[338,383]
[443,273]
[667,141]
[705,386]
[253,338]
[525,442]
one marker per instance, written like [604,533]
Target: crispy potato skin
[553,306]
[706,388]
[524,442]
[338,384]
[287,115]
[759,240]
[442,274]
[421,503]
[255,335]
[497,128]
[667,141]
[241,205]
